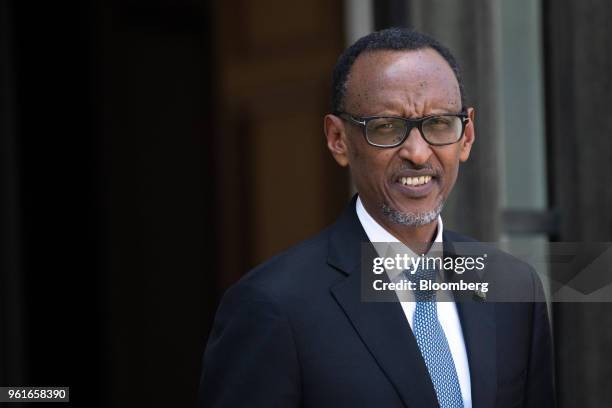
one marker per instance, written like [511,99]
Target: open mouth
[414,181]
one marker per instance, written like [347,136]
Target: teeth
[415,181]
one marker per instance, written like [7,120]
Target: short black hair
[397,39]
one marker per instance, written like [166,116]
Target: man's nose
[415,148]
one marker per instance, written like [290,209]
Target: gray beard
[414,219]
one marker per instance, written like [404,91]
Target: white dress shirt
[447,311]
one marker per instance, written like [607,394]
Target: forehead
[421,80]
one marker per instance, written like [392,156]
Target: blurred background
[154,151]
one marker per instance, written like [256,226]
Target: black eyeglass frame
[410,123]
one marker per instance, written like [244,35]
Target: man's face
[410,84]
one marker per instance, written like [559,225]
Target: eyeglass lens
[436,130]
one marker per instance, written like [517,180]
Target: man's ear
[335,133]
[468,136]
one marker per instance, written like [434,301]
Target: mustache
[407,165]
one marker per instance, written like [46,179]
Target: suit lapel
[478,325]
[479,333]
[382,326]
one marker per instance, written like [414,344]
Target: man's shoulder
[298,258]
[296,272]
[465,244]
[516,278]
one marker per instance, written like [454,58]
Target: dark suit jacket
[295,333]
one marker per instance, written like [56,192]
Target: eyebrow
[390,115]
[432,112]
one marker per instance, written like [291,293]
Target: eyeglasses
[392,131]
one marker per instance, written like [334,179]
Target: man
[298,332]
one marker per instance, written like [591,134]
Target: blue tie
[433,344]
